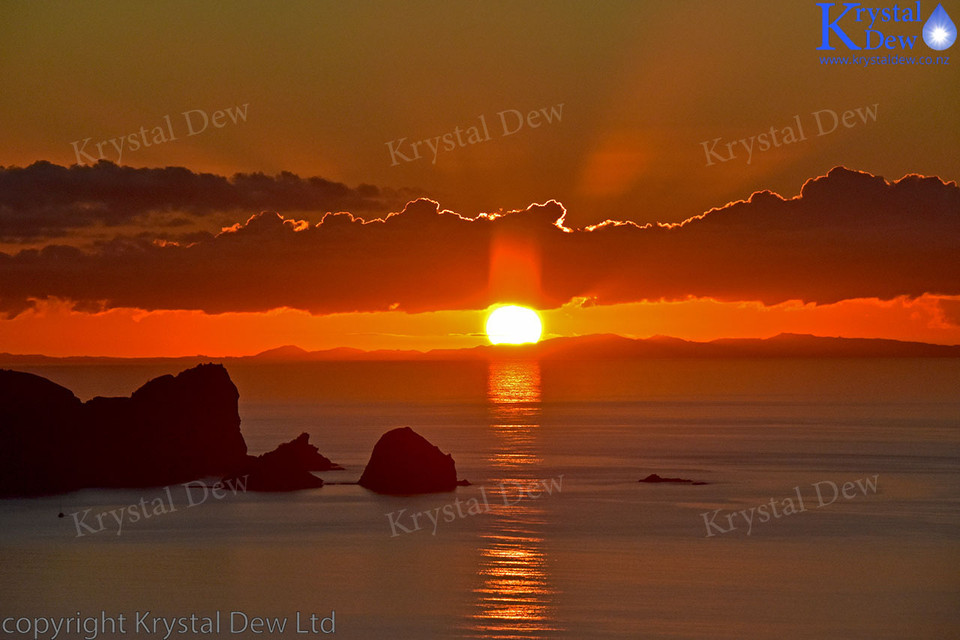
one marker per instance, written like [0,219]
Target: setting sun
[512,324]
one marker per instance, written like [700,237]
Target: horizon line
[298,351]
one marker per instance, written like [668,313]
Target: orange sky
[424,278]
[526,125]
[55,330]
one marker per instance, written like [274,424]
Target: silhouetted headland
[404,463]
[615,347]
[173,429]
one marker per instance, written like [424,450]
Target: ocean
[830,509]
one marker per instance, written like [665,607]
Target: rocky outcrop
[172,429]
[403,463]
[38,421]
[299,451]
[287,468]
[654,479]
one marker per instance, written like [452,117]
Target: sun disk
[512,324]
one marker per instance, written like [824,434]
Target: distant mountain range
[592,347]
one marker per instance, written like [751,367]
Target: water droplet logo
[939,32]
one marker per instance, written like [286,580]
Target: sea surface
[855,463]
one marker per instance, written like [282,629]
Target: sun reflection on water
[515,597]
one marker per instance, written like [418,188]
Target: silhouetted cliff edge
[172,429]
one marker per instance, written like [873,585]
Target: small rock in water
[404,463]
[654,478]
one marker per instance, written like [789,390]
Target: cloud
[950,310]
[46,200]
[847,235]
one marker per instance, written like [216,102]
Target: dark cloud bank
[46,200]
[847,235]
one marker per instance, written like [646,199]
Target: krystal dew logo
[884,28]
